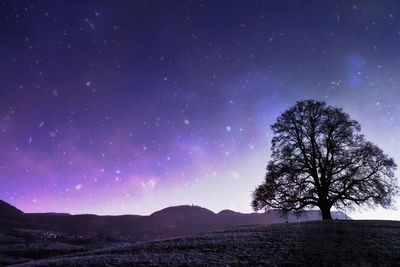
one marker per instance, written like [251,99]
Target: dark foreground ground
[335,243]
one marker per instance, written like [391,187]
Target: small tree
[319,158]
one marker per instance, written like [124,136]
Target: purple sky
[131,107]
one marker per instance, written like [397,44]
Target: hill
[27,236]
[10,216]
[9,211]
[318,243]
[169,222]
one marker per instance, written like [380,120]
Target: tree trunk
[326,212]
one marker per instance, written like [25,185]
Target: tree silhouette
[320,159]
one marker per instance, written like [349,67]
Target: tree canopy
[320,159]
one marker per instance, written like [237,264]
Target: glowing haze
[131,107]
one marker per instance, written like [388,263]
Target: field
[318,243]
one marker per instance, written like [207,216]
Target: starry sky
[126,107]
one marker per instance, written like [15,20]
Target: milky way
[131,106]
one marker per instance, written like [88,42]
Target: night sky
[126,107]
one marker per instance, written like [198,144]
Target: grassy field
[319,243]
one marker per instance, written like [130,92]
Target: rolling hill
[317,243]
[33,236]
[168,222]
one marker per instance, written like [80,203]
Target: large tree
[320,159]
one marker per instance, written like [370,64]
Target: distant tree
[320,159]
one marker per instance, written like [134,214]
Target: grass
[319,243]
